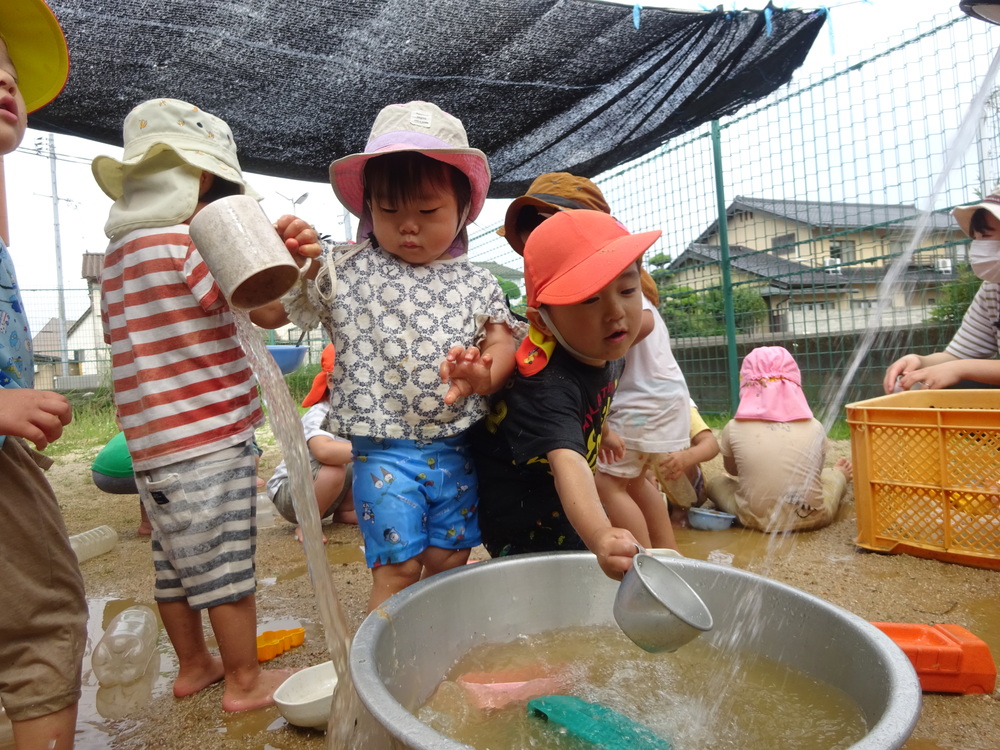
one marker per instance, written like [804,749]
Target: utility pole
[63,341]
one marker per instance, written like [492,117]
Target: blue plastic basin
[289,357]
[709,520]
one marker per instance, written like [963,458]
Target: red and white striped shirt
[182,383]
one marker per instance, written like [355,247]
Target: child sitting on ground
[704,447]
[537,450]
[329,457]
[43,621]
[422,335]
[184,391]
[775,449]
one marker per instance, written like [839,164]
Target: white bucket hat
[168,143]
[963,214]
[416,126]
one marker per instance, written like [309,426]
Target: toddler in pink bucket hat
[422,337]
[774,451]
[417,127]
[771,387]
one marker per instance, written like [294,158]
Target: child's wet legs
[438,559]
[247,685]
[54,731]
[392,578]
[654,509]
[197,667]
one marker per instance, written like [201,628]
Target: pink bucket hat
[420,127]
[771,387]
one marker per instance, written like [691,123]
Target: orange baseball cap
[574,254]
[326,362]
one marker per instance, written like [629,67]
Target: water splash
[891,282]
[286,423]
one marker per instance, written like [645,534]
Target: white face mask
[984,255]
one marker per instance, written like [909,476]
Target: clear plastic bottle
[94,542]
[265,511]
[125,650]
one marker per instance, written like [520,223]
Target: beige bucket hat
[198,138]
[168,144]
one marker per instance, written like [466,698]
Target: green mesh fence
[822,188]
[818,189]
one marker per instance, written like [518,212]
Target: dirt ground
[826,563]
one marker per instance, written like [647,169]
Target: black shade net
[541,85]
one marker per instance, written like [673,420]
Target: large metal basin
[403,650]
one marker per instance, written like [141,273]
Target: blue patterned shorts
[414,494]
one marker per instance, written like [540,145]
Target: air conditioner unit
[832,266]
[942,265]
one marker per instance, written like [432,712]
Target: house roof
[835,215]
[785,275]
[498,269]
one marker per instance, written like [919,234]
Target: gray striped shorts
[204,527]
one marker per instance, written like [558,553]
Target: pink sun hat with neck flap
[416,126]
[771,387]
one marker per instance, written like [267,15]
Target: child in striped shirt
[184,390]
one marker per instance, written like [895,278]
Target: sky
[855,28]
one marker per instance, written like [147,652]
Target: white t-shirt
[651,410]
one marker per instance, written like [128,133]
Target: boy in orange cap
[329,457]
[537,449]
[43,623]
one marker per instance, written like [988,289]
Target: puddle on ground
[735,546]
[100,707]
[336,554]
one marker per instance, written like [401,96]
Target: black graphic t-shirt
[563,406]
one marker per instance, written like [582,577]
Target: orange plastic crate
[927,474]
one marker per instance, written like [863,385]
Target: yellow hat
[37,47]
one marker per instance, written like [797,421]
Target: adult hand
[901,366]
[38,416]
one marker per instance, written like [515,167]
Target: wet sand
[891,588]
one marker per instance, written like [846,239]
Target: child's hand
[673,465]
[612,446]
[615,549]
[38,416]
[299,236]
[468,371]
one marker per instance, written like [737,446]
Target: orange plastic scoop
[947,658]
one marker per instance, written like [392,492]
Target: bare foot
[298,535]
[191,679]
[844,467]
[258,696]
[145,529]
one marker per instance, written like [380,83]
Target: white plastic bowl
[304,698]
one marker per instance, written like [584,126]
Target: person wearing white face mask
[970,360]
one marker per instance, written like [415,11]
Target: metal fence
[780,223]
